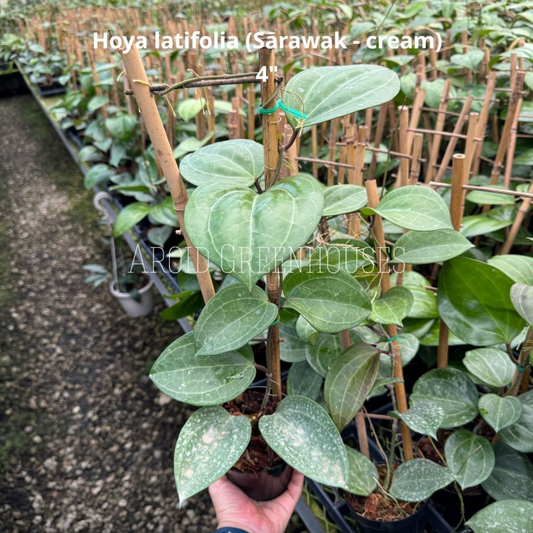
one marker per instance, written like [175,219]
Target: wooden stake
[403,172]
[456,213]
[517,222]
[165,156]
[392,331]
[270,149]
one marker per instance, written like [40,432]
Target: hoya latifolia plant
[248,222]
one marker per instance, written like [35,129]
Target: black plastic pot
[448,503]
[265,485]
[415,523]
[53,89]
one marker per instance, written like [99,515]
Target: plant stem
[273,285]
[150,114]
[523,361]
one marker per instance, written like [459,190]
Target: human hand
[235,509]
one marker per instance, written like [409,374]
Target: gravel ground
[87,441]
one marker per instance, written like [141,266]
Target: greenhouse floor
[86,440]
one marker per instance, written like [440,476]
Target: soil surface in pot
[379,507]
[258,456]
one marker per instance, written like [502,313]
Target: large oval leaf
[424,418]
[512,475]
[470,457]
[341,199]
[415,207]
[475,225]
[329,302]
[393,307]
[518,267]
[304,381]
[232,318]
[418,479]
[474,302]
[129,216]
[507,516]
[349,381]
[452,390]
[499,412]
[323,353]
[425,302]
[249,234]
[122,127]
[349,255]
[303,435]
[362,474]
[209,444]
[238,161]
[424,247]
[520,434]
[522,298]
[325,93]
[493,367]
[202,379]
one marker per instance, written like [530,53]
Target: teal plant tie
[392,339]
[281,105]
[521,368]
[275,322]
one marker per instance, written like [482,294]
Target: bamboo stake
[483,120]
[165,156]
[382,115]
[517,222]
[333,134]
[211,118]
[415,158]
[251,112]
[392,331]
[470,140]
[453,141]
[270,149]
[456,213]
[403,173]
[439,125]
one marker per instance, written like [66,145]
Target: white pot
[132,307]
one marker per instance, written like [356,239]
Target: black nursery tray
[54,89]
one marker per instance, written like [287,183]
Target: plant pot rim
[117,294]
[424,505]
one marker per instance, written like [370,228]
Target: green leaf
[520,435]
[325,93]
[409,345]
[341,199]
[304,381]
[202,379]
[362,473]
[190,107]
[96,102]
[512,475]
[209,444]
[303,435]
[522,298]
[249,234]
[329,302]
[232,318]
[470,457]
[475,225]
[239,162]
[349,255]
[470,60]
[322,354]
[416,208]
[424,418]
[507,516]
[490,198]
[425,301]
[493,367]
[122,127]
[424,247]
[97,174]
[518,267]
[292,349]
[418,479]
[129,216]
[474,302]
[499,412]
[393,307]
[159,235]
[165,213]
[190,144]
[305,331]
[349,381]
[189,302]
[452,390]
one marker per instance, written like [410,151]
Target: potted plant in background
[132,288]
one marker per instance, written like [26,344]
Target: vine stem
[523,360]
